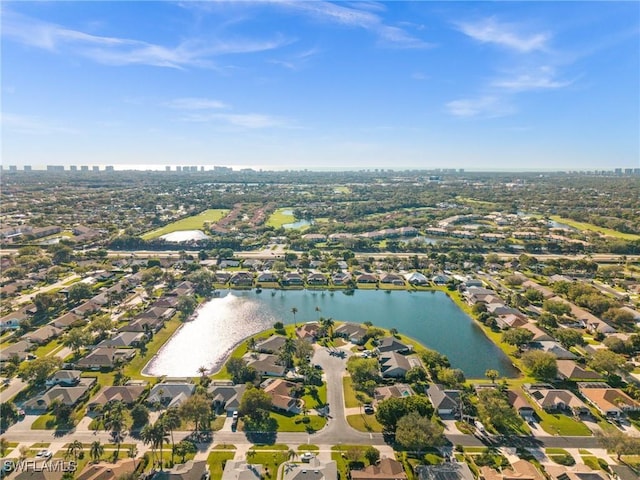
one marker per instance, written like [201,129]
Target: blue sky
[309,84]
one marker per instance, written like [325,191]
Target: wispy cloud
[191,103]
[296,61]
[543,78]
[484,107]
[245,120]
[508,35]
[32,125]
[193,52]
[365,16]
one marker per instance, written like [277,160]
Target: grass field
[279,218]
[216,461]
[295,423]
[364,423]
[594,228]
[560,424]
[195,222]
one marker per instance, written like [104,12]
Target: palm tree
[159,437]
[114,421]
[171,420]
[291,455]
[492,375]
[96,451]
[294,310]
[74,450]
[202,370]
[146,435]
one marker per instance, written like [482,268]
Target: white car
[44,454]
[307,456]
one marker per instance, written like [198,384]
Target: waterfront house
[308,331]
[368,278]
[127,394]
[392,279]
[266,364]
[416,278]
[317,279]
[124,339]
[341,278]
[392,344]
[267,277]
[241,279]
[553,347]
[272,344]
[170,394]
[354,332]
[292,279]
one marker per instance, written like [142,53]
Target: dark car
[368,409]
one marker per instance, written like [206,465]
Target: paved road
[59,284]
[13,389]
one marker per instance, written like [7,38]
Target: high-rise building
[13,168]
[95,168]
[27,168]
[84,168]
[73,168]
[108,168]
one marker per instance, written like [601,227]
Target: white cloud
[32,125]
[125,51]
[245,120]
[484,107]
[508,35]
[363,17]
[542,78]
[191,103]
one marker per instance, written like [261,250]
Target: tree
[96,451]
[492,375]
[239,371]
[616,345]
[391,410]
[606,361]
[619,316]
[416,374]
[494,410]
[517,337]
[73,450]
[372,455]
[171,420]
[115,420]
[186,305]
[4,446]
[568,337]
[76,339]
[451,377]
[618,442]
[139,415]
[197,408]
[183,448]
[541,365]
[362,370]
[101,325]
[61,253]
[556,307]
[37,371]
[294,310]
[255,404]
[79,291]
[417,433]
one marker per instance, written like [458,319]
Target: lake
[184,236]
[431,318]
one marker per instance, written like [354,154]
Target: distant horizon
[272,168]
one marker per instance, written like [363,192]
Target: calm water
[429,317]
[184,236]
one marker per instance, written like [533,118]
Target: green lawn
[216,461]
[350,399]
[195,222]
[278,218]
[270,459]
[338,453]
[594,228]
[317,400]
[47,349]
[560,424]
[44,422]
[364,423]
[295,423]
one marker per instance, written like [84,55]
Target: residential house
[393,364]
[551,399]
[610,402]
[392,279]
[314,237]
[69,396]
[105,358]
[478,295]
[392,344]
[520,404]
[445,471]
[317,279]
[229,263]
[579,471]
[64,378]
[108,471]
[292,279]
[558,350]
[42,335]
[445,401]
[222,277]
[170,393]
[416,278]
[308,331]
[226,397]
[281,393]
[127,394]
[267,277]
[440,279]
[15,350]
[499,308]
[398,390]
[191,470]
[539,335]
[182,289]
[13,320]
[511,321]
[385,469]
[570,370]
[354,332]
[273,344]
[519,470]
[316,469]
[341,278]
[125,339]
[252,263]
[86,309]
[241,279]
[69,320]
[367,278]
[266,364]
[241,470]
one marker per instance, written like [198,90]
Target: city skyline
[320,85]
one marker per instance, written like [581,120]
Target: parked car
[44,454]
[307,456]
[368,408]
